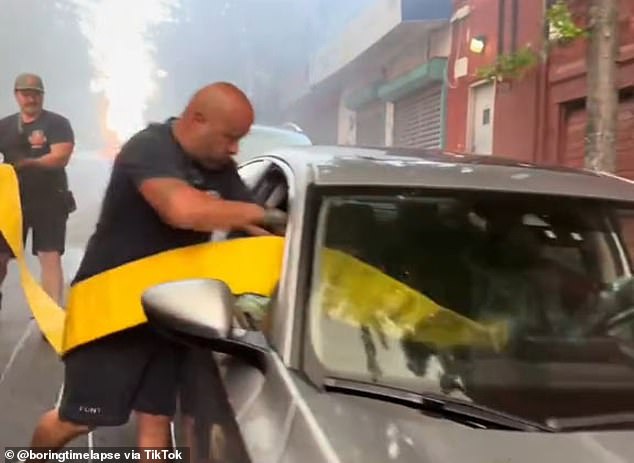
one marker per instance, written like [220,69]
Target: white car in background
[263,138]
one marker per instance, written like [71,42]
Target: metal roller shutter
[371,125]
[417,119]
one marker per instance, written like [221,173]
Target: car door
[205,420]
[252,171]
[241,402]
[275,423]
[257,391]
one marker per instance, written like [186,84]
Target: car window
[490,297]
[253,171]
[272,191]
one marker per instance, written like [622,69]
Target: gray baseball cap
[29,82]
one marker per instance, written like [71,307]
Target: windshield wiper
[448,407]
[590,422]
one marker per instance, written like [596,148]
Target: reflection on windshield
[520,303]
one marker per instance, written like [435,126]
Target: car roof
[355,165]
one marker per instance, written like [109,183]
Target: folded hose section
[111,301]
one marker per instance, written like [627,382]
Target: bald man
[172,185]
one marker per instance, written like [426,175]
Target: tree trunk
[602,102]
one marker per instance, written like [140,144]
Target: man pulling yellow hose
[171,186]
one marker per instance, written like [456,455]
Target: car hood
[361,429]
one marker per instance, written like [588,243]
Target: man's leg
[52,275]
[4,263]
[101,380]
[155,402]
[153,431]
[5,256]
[49,240]
[54,433]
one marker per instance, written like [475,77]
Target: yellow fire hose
[361,295]
[350,291]
[111,301]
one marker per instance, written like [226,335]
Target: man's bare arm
[58,157]
[182,206]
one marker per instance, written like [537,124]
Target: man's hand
[254,230]
[275,219]
[274,224]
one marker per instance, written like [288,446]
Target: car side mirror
[199,309]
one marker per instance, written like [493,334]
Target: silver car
[431,308]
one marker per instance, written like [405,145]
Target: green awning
[430,72]
[362,96]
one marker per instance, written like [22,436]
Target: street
[31,374]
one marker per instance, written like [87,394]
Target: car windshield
[262,139]
[520,303]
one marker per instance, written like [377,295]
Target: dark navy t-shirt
[128,227]
[38,185]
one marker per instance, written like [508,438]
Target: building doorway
[481,123]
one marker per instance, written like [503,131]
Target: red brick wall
[482,20]
[567,77]
[529,114]
[517,104]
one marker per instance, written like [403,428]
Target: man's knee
[50,259]
[52,422]
[73,426]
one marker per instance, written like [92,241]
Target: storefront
[419,106]
[418,119]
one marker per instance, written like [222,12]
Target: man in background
[39,143]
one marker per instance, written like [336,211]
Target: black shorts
[49,229]
[134,370]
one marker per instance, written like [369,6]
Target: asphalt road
[31,374]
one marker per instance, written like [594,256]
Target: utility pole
[602,102]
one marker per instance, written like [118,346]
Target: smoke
[122,55]
[112,65]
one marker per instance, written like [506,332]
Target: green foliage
[510,66]
[563,28]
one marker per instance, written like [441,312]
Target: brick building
[542,116]
[381,80]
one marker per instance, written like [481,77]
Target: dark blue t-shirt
[128,227]
[38,185]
